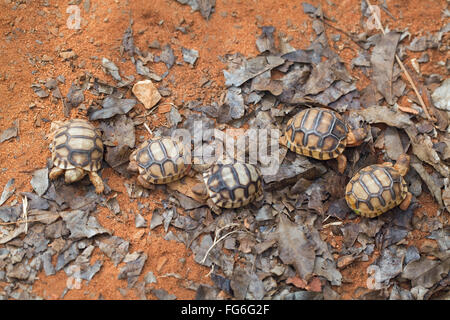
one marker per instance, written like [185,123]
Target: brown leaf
[382,61]
[422,147]
[314,285]
[380,114]
[392,143]
[295,247]
[8,133]
[429,181]
[296,281]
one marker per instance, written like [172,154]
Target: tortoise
[160,161]
[230,185]
[77,150]
[378,188]
[321,134]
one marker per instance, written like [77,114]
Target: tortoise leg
[73,175]
[200,190]
[190,172]
[406,202]
[342,163]
[133,167]
[96,181]
[213,206]
[55,173]
[144,183]
[283,141]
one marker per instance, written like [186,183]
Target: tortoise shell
[317,132]
[233,185]
[162,160]
[375,189]
[77,144]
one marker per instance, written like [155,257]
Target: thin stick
[337,223]
[147,128]
[22,221]
[25,212]
[344,32]
[410,80]
[216,242]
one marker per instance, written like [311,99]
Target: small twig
[336,223]
[419,96]
[22,221]
[402,66]
[344,32]
[216,241]
[25,212]
[147,128]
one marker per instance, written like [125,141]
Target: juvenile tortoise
[77,150]
[378,188]
[230,185]
[322,134]
[160,161]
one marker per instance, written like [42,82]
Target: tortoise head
[133,167]
[356,137]
[200,191]
[56,125]
[402,164]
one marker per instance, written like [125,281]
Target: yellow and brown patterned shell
[162,160]
[318,133]
[233,185]
[374,190]
[77,144]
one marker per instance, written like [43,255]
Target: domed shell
[375,189]
[317,132]
[162,160]
[77,144]
[233,185]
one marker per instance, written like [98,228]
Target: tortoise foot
[97,182]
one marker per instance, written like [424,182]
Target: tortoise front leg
[406,202]
[55,173]
[213,206]
[342,163]
[96,181]
[144,183]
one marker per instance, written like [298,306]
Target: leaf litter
[280,244]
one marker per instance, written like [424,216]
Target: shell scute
[318,133]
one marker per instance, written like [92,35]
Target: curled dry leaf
[250,69]
[422,147]
[112,106]
[380,114]
[111,68]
